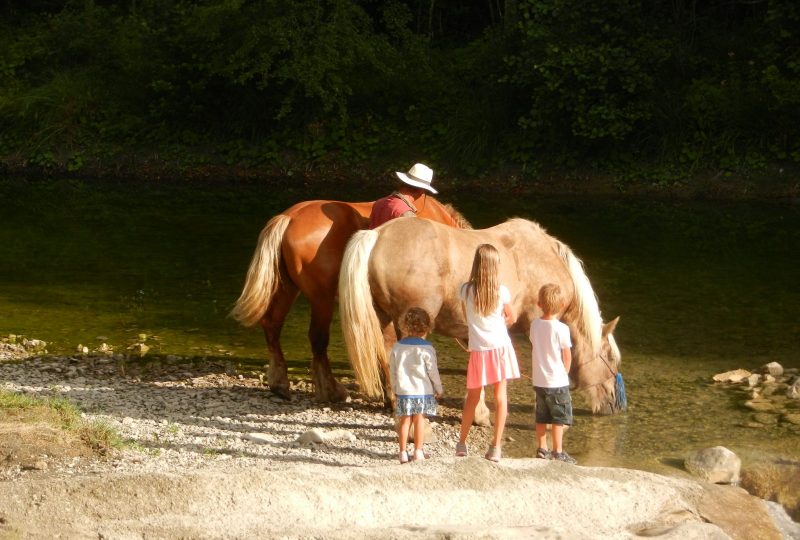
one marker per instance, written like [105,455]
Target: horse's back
[421,263]
[418,262]
[314,241]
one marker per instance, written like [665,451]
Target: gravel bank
[195,414]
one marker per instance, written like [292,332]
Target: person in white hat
[414,185]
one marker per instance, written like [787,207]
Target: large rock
[773,368]
[775,482]
[760,404]
[794,390]
[741,516]
[717,465]
[791,418]
[289,499]
[735,376]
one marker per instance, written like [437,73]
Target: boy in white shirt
[551,359]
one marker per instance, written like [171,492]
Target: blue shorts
[553,406]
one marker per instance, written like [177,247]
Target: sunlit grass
[60,413]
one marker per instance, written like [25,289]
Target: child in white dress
[415,380]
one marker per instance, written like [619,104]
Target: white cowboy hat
[418,176]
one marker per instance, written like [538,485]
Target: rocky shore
[210,453]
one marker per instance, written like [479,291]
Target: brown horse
[300,251]
[407,263]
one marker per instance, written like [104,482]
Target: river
[701,287]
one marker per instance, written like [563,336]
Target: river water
[701,287]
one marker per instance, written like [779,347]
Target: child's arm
[433,373]
[393,365]
[508,312]
[566,357]
[508,315]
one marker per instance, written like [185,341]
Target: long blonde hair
[484,280]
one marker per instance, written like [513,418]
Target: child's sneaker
[403,457]
[563,456]
[461,449]
[543,453]
[493,454]
[419,455]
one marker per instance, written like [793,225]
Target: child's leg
[419,431]
[402,431]
[500,412]
[558,437]
[468,414]
[541,436]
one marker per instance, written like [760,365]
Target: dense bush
[472,88]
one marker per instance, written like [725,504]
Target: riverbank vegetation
[657,92]
[53,421]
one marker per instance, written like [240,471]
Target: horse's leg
[389,339]
[326,387]
[272,323]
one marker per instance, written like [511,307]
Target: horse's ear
[609,327]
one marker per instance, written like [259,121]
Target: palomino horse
[300,251]
[410,262]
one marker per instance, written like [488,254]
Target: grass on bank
[61,414]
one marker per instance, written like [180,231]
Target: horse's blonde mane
[587,318]
[584,311]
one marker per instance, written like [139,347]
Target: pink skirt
[489,367]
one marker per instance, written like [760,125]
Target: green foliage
[589,71]
[304,83]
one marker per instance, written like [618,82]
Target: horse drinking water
[412,262]
[300,251]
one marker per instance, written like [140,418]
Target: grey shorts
[553,406]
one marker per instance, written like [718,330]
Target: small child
[551,358]
[415,380]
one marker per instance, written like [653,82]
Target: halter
[613,373]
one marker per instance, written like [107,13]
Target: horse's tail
[360,325]
[588,318]
[263,276]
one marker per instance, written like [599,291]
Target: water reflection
[701,287]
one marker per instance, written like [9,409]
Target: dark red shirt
[386,209]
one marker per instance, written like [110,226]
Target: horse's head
[595,370]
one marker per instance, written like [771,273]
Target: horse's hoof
[337,395]
[282,392]
[340,394]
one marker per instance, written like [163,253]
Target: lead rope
[408,203]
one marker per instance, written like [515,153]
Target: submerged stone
[773,368]
[717,465]
[735,376]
